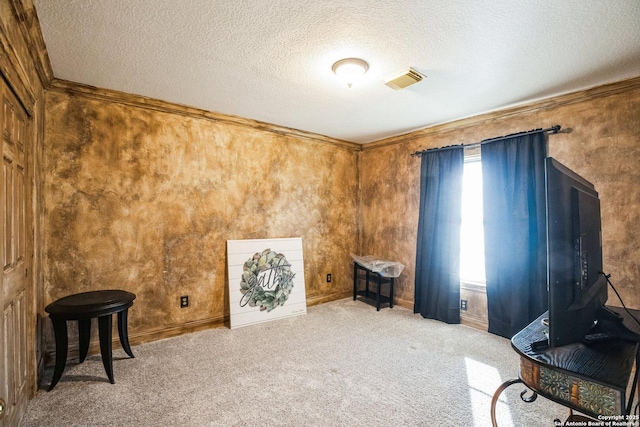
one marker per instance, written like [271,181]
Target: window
[472,229]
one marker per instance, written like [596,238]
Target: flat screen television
[577,287]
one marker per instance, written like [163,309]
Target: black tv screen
[577,288]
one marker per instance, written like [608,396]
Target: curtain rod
[554,129]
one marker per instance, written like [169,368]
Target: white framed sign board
[266,280]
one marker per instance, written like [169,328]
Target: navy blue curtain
[515,231]
[437,284]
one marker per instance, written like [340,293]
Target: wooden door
[13,250]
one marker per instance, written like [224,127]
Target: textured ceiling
[270,60]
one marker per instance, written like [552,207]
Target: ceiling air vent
[403,79]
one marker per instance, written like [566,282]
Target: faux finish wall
[603,146]
[143,196]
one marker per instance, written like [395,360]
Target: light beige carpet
[341,364]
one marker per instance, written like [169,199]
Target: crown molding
[109,95]
[545,104]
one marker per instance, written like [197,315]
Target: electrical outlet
[463,304]
[329,278]
[184,301]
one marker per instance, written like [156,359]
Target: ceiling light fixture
[349,70]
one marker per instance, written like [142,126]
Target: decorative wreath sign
[267,280]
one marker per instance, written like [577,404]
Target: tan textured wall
[145,200]
[476,313]
[603,146]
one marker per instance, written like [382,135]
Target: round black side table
[83,307]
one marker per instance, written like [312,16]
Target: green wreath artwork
[267,280]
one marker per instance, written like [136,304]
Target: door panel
[13,294]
